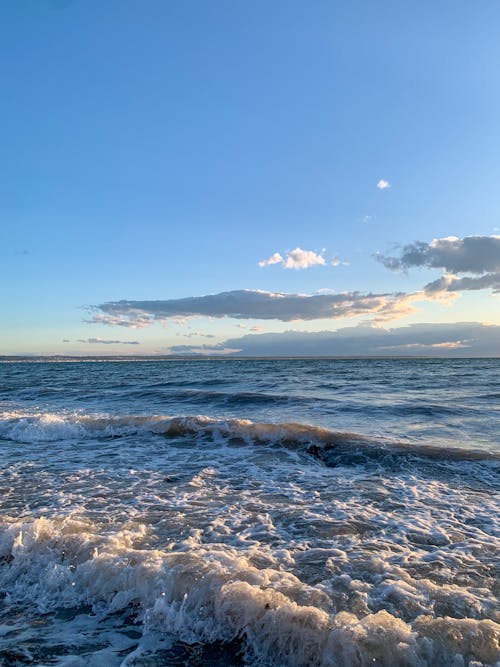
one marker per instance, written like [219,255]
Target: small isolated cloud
[132,321]
[197,334]
[368,218]
[105,341]
[383,184]
[258,305]
[336,261]
[295,259]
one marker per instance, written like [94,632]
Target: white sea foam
[123,534]
[213,592]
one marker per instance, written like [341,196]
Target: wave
[331,447]
[224,397]
[211,592]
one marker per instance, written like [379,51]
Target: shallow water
[332,512]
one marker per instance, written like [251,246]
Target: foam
[145,530]
[214,593]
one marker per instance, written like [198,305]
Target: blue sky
[157,151]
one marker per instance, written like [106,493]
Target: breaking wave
[332,447]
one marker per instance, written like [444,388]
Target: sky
[256,177]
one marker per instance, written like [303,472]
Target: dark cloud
[201,349]
[457,339]
[105,341]
[472,254]
[454,284]
[253,304]
[197,334]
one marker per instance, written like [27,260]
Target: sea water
[250,512]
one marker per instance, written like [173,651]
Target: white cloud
[383,184]
[303,259]
[295,259]
[274,259]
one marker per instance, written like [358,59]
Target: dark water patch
[239,399]
[181,654]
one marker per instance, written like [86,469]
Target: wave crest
[332,447]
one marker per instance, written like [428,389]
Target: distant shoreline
[203,357]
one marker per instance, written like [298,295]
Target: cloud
[450,339]
[104,341]
[446,345]
[197,334]
[450,283]
[255,304]
[274,259]
[201,349]
[136,320]
[383,184]
[295,259]
[472,254]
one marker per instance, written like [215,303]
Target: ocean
[225,512]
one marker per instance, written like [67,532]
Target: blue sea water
[250,512]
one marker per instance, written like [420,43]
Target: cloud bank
[255,304]
[463,339]
[207,350]
[295,259]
